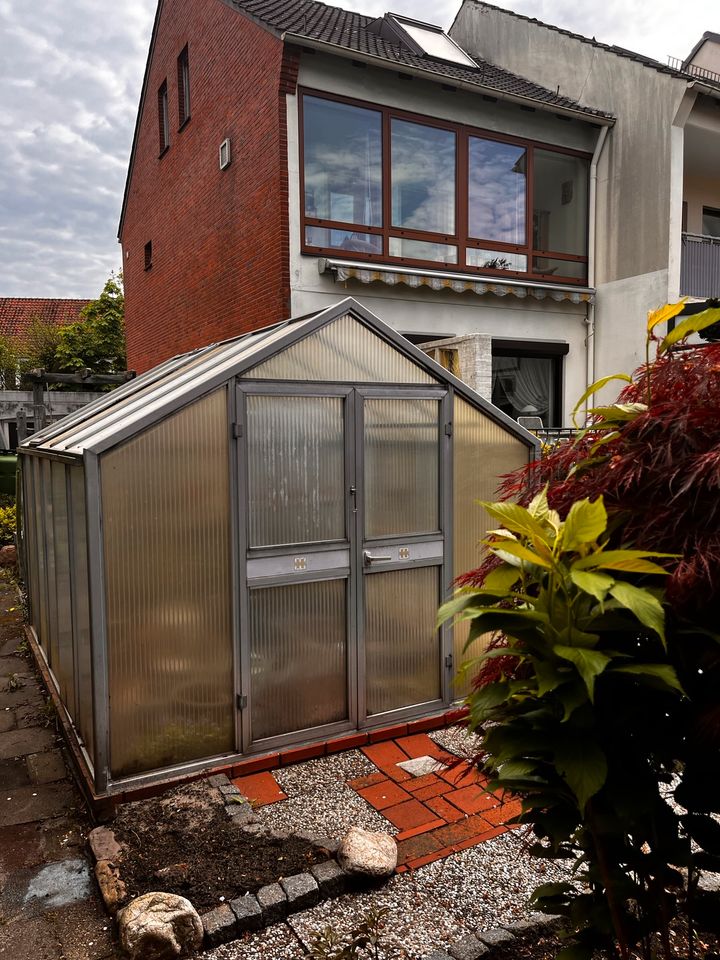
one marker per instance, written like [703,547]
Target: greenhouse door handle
[370,558]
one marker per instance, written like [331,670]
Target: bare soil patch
[184,843]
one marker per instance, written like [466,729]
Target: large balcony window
[379,184]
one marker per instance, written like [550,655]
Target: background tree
[97,340]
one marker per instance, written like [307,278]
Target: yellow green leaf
[514,553]
[692,324]
[643,604]
[516,518]
[596,584]
[667,312]
[598,385]
[585,521]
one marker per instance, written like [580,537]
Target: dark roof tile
[318,21]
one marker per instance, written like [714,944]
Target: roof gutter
[340,51]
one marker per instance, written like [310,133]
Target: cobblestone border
[271,904]
[484,943]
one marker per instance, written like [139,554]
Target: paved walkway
[49,906]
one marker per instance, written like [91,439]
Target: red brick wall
[219,238]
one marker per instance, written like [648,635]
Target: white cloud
[71,75]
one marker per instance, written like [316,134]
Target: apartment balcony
[700,266]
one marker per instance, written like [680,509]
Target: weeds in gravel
[14,682]
[365,942]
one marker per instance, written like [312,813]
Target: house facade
[657,213]
[287,154]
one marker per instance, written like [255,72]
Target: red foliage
[660,477]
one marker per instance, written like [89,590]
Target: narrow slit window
[148,255]
[163,119]
[183,77]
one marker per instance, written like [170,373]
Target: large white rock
[366,853]
[160,926]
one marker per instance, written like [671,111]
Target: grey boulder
[368,854]
[160,926]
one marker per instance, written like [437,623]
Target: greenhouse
[245,548]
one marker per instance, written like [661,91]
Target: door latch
[370,558]
[241,701]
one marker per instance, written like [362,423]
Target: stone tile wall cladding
[271,904]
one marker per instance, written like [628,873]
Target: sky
[70,76]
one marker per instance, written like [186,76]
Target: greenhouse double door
[344,558]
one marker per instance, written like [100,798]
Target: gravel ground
[274,943]
[319,800]
[477,888]
[482,887]
[456,740]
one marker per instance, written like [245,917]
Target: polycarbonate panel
[402,646]
[296,469]
[38,515]
[30,537]
[64,666]
[482,452]
[298,654]
[166,523]
[401,466]
[344,350]
[46,505]
[81,609]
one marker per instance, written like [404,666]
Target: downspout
[592,224]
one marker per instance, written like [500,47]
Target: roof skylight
[433,40]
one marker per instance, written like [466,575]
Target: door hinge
[448,429]
[237,431]
[241,701]
[449,661]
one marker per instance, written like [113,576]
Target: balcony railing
[700,266]
[693,69]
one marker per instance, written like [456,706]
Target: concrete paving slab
[8,720]
[20,743]
[84,931]
[31,803]
[29,939]
[13,774]
[46,767]
[17,698]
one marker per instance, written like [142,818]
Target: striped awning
[343,270]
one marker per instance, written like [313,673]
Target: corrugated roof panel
[167,394]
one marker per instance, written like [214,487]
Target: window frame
[460,239]
[183,81]
[537,350]
[163,117]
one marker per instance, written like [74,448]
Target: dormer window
[424,39]
[432,40]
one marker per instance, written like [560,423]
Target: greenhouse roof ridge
[158,393]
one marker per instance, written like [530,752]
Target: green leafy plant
[7,525]
[365,941]
[581,726]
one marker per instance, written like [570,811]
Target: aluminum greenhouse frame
[245,547]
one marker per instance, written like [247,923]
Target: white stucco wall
[440,313]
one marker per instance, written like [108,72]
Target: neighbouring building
[287,153]
[657,212]
[17,315]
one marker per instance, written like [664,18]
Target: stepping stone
[421,766]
